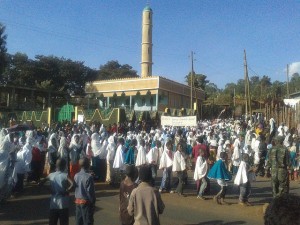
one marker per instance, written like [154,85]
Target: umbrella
[18,127]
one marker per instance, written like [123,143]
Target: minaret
[146,64]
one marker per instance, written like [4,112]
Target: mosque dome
[147,8]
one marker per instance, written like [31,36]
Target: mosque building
[148,92]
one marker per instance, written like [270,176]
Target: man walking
[279,162]
[145,202]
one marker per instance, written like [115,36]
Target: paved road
[32,207]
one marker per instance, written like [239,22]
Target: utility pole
[287,81]
[234,97]
[192,79]
[247,88]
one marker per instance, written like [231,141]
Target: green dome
[147,8]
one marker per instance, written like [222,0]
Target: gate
[66,113]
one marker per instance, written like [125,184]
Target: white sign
[80,118]
[182,121]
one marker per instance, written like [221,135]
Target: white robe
[200,168]
[179,163]
[24,157]
[141,156]
[236,156]
[152,156]
[5,148]
[241,176]
[110,149]
[119,160]
[95,144]
[165,160]
[256,152]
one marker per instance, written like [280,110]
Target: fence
[289,115]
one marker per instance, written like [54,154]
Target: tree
[212,90]
[3,49]
[199,80]
[19,71]
[112,70]
[294,84]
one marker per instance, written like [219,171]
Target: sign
[181,121]
[80,118]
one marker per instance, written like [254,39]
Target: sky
[217,31]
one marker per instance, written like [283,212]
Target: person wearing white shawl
[8,176]
[166,162]
[200,172]
[119,160]
[22,167]
[179,166]
[141,154]
[63,150]
[243,178]
[236,156]
[111,150]
[52,152]
[152,158]
[75,153]
[99,154]
[272,124]
[220,148]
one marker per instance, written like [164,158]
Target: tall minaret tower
[146,64]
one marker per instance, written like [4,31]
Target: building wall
[171,94]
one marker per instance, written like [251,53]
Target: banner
[182,121]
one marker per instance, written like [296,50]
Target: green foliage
[294,84]
[3,49]
[113,70]
[199,80]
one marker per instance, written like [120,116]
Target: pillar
[130,102]
[156,101]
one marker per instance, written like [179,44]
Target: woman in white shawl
[166,162]
[7,173]
[119,160]
[201,168]
[4,158]
[244,176]
[52,152]
[111,150]
[236,156]
[24,157]
[96,149]
[63,150]
[141,155]
[75,153]
[179,167]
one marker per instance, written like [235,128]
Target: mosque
[148,92]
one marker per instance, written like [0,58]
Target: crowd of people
[75,155]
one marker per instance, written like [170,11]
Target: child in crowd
[166,162]
[221,174]
[152,159]
[126,187]
[244,176]
[201,168]
[179,166]
[60,185]
[294,162]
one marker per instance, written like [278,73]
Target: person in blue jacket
[222,175]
